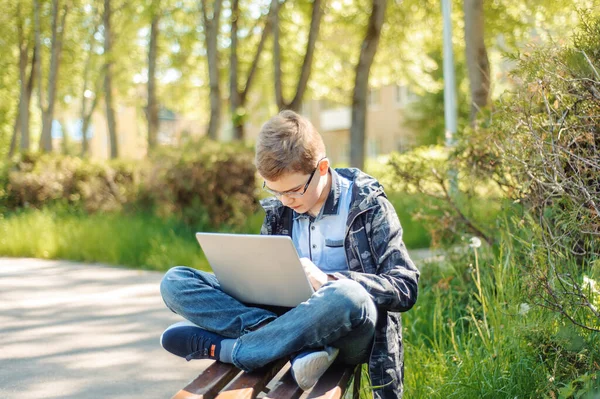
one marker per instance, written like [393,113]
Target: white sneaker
[309,366]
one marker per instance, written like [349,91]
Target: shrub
[450,210]
[549,139]
[34,180]
[205,183]
[539,151]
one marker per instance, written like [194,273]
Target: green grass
[415,234]
[137,240]
[466,338]
[131,239]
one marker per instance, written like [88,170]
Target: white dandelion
[475,242]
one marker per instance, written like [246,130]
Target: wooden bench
[219,381]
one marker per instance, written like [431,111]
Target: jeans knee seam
[251,328]
[236,362]
[325,338]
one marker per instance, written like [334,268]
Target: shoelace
[201,344]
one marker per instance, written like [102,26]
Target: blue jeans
[340,314]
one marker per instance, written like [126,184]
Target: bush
[549,139]
[472,334]
[450,210]
[538,157]
[35,180]
[205,183]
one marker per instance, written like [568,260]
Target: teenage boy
[349,239]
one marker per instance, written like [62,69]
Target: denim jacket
[378,260]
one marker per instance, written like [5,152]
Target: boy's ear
[324,167]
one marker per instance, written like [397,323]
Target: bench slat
[286,388]
[332,384]
[208,384]
[249,385]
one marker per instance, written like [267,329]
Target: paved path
[70,330]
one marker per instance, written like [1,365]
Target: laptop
[257,269]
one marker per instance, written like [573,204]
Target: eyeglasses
[293,193]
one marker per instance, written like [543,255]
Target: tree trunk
[26,106]
[26,88]
[85,126]
[277,74]
[58,29]
[261,45]
[238,97]
[86,115]
[235,100]
[66,139]
[361,84]
[110,113]
[152,112]
[38,61]
[15,135]
[211,32]
[86,78]
[478,64]
[315,25]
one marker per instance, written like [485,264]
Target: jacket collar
[332,203]
[365,190]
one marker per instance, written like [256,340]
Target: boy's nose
[285,200]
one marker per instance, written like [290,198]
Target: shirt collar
[332,203]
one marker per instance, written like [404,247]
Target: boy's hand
[316,276]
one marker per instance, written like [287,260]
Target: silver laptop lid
[257,269]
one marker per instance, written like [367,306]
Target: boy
[349,239]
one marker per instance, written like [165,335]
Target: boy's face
[313,197]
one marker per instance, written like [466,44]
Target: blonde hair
[287,143]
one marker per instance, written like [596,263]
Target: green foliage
[547,136]
[451,210]
[34,180]
[585,387]
[203,183]
[473,334]
[431,130]
[135,240]
[475,331]
[407,206]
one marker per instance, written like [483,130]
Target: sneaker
[309,366]
[185,339]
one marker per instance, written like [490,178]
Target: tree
[108,95]
[58,30]
[238,96]
[211,32]
[478,63]
[361,83]
[26,84]
[315,24]
[152,110]
[88,110]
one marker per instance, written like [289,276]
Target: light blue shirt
[321,238]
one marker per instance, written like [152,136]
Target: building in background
[387,107]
